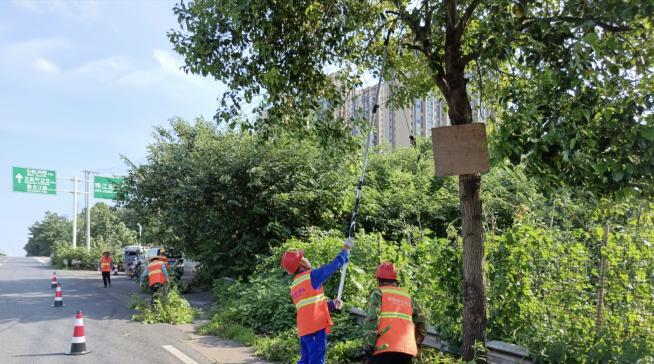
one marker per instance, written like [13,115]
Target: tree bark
[474,294]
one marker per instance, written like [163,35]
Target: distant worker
[394,327]
[157,276]
[312,307]
[105,268]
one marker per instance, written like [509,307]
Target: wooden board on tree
[460,149]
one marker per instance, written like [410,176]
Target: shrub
[63,251]
[170,308]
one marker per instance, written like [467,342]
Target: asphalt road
[32,331]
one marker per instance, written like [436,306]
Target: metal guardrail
[498,352]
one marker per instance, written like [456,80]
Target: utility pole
[87,177]
[75,192]
[74,212]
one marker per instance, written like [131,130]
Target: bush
[171,308]
[87,259]
[541,288]
[264,306]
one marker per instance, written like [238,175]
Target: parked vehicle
[131,261]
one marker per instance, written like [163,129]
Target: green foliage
[78,258]
[53,236]
[107,229]
[222,197]
[238,195]
[170,308]
[549,278]
[542,286]
[227,329]
[581,114]
[43,234]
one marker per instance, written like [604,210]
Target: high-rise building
[395,126]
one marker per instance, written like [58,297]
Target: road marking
[41,259]
[179,355]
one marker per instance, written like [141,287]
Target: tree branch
[467,14]
[450,13]
[470,57]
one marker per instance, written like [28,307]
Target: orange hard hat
[386,270]
[291,260]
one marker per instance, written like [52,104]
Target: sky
[81,83]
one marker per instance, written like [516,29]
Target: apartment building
[395,126]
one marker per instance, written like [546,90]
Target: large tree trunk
[474,295]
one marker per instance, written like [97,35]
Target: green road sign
[34,180]
[105,187]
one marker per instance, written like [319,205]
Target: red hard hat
[291,260]
[386,271]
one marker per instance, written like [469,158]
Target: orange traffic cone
[78,345]
[58,299]
[54,280]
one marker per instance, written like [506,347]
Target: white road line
[179,355]
[41,259]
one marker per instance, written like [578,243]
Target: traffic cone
[59,299]
[54,280]
[78,345]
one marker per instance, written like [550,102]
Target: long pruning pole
[357,199]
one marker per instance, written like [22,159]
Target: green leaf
[617,176]
[648,133]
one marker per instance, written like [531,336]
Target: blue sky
[81,83]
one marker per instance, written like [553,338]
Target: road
[32,331]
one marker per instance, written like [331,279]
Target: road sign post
[34,180]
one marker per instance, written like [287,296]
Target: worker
[157,276]
[105,268]
[394,327]
[312,307]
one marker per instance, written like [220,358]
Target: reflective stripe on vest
[311,304]
[396,329]
[155,274]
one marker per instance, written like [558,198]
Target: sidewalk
[220,350]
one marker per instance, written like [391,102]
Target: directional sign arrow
[19,178]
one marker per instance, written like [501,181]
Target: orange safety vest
[396,330]
[311,305]
[155,274]
[105,264]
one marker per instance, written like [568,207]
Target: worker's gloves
[338,304]
[349,242]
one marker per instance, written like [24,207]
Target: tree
[223,198]
[107,228]
[43,234]
[282,49]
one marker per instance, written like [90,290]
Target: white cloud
[46,66]
[166,74]
[106,68]
[36,53]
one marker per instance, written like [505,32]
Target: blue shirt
[321,274]
[144,275]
